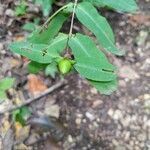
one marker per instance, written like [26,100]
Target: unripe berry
[64,65]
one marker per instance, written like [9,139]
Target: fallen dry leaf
[35,85]
[33,138]
[139,19]
[15,63]
[22,147]
[50,144]
[17,101]
[21,133]
[8,140]
[51,109]
[5,126]
[5,105]
[19,38]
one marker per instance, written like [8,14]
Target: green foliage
[105,87]
[2,95]
[5,84]
[46,6]
[21,115]
[41,53]
[51,69]
[90,62]
[46,45]
[35,52]
[118,5]
[20,10]
[45,34]
[98,25]
[35,67]
[29,26]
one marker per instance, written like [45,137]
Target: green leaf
[41,53]
[21,115]
[20,119]
[58,44]
[25,112]
[106,88]
[2,95]
[46,6]
[45,35]
[14,113]
[98,25]
[6,83]
[97,3]
[34,67]
[29,26]
[21,9]
[35,52]
[90,62]
[119,5]
[94,71]
[51,69]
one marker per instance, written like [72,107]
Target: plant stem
[52,16]
[71,26]
[72,19]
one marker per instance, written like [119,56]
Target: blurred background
[76,116]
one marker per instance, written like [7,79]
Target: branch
[30,100]
[71,26]
[52,16]
[72,19]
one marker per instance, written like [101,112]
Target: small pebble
[94,91]
[78,121]
[70,139]
[117,115]
[9,12]
[97,103]
[90,116]
[110,112]
[146,96]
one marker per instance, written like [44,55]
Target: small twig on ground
[30,100]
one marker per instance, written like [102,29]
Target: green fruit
[65,65]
